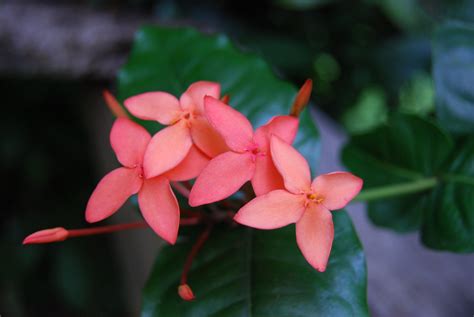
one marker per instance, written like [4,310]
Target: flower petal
[292,166]
[234,127]
[206,138]
[190,167]
[314,235]
[129,141]
[160,208]
[273,210]
[157,105]
[266,177]
[193,97]
[337,189]
[112,192]
[285,127]
[167,149]
[222,177]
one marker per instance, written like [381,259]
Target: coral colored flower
[186,125]
[303,202]
[249,156]
[157,202]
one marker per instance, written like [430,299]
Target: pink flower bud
[47,236]
[302,98]
[185,292]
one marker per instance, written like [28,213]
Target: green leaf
[241,270]
[449,223]
[417,95]
[453,67]
[171,59]
[404,149]
[369,112]
[410,150]
[246,272]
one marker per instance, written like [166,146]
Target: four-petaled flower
[156,199]
[248,158]
[303,202]
[186,126]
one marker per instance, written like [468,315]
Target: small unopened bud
[225,99]
[302,98]
[185,292]
[47,236]
[114,105]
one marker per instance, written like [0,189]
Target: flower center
[255,151]
[139,168]
[314,198]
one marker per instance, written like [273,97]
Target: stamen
[184,290]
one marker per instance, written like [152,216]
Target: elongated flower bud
[114,105]
[302,98]
[47,236]
[225,99]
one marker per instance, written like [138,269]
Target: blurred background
[365,57]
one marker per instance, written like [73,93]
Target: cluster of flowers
[207,139]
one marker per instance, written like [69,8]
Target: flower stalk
[397,189]
[184,290]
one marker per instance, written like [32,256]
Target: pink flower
[157,202]
[303,202]
[186,123]
[249,156]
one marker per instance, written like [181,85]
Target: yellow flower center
[315,198]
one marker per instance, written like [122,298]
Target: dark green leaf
[405,149]
[410,149]
[454,76]
[449,217]
[171,59]
[245,272]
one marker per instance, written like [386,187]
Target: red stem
[126,226]
[194,251]
[181,189]
[105,229]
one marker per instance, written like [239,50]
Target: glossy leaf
[406,148]
[246,272]
[449,216]
[453,68]
[409,149]
[170,59]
